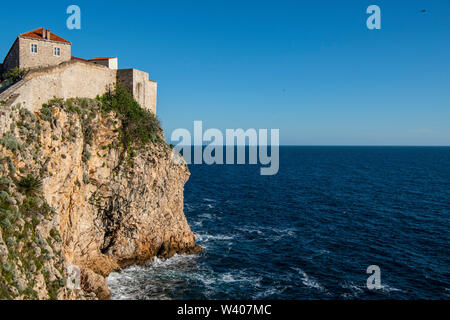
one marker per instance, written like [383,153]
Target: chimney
[45,34]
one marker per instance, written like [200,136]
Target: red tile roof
[38,34]
[102,58]
[80,59]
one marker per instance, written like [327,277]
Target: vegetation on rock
[30,185]
[139,125]
[30,259]
[112,135]
[15,74]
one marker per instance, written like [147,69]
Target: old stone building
[53,71]
[37,48]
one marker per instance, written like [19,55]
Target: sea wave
[355,290]
[309,281]
[271,292]
[209,237]
[273,234]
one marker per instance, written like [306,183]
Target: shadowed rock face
[112,209]
[122,211]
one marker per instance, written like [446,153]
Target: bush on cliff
[15,74]
[30,185]
[10,142]
[138,124]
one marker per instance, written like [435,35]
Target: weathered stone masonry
[77,79]
[64,76]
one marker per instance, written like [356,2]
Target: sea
[312,230]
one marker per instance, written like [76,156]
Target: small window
[34,48]
[57,52]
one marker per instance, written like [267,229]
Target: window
[57,52]
[34,48]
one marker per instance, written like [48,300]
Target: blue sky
[309,68]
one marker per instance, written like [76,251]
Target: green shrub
[4,196]
[11,166]
[5,183]
[30,185]
[15,74]
[10,242]
[46,113]
[138,124]
[56,102]
[26,114]
[6,224]
[10,142]
[55,235]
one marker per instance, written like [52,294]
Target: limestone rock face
[95,283]
[111,208]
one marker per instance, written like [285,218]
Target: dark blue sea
[311,231]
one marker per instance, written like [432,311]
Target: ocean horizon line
[332,145]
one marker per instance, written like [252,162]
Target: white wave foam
[355,290]
[197,223]
[206,215]
[174,260]
[209,237]
[274,234]
[287,231]
[133,283]
[239,276]
[250,230]
[387,288]
[309,281]
[270,292]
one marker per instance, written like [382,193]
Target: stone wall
[45,55]
[68,80]
[78,79]
[12,59]
[143,89]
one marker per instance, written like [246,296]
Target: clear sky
[309,68]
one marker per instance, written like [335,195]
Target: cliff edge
[86,185]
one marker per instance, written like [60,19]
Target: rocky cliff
[89,186]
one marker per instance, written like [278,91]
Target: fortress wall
[78,79]
[152,89]
[138,83]
[73,79]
